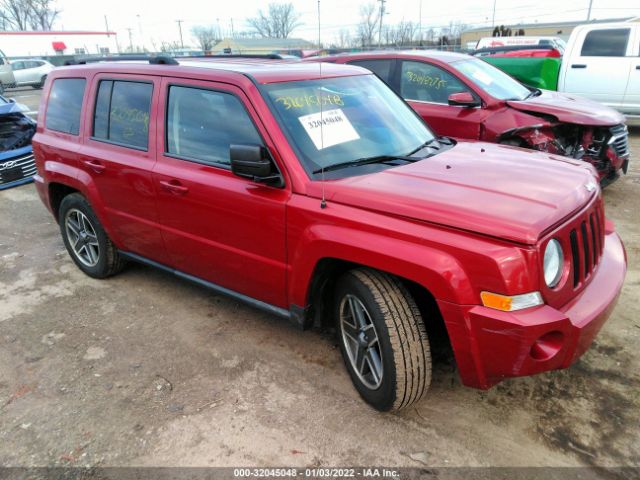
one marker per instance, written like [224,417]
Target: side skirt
[295,315]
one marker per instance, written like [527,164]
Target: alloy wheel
[361,342]
[82,237]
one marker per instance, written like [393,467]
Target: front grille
[586,240]
[619,140]
[13,169]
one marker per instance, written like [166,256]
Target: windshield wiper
[365,161]
[425,145]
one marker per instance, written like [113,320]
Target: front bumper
[16,167]
[490,345]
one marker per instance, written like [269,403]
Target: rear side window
[122,113]
[382,68]
[202,124]
[606,43]
[65,105]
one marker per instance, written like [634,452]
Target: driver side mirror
[463,99]
[253,161]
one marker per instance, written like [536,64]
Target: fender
[438,272]
[510,121]
[74,177]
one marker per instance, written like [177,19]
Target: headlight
[553,263]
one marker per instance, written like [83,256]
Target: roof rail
[265,56]
[152,59]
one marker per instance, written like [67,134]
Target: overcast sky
[157,20]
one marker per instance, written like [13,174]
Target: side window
[122,113]
[65,105]
[606,43]
[382,68]
[202,124]
[428,83]
[17,66]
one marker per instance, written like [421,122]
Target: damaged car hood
[495,190]
[16,129]
[570,109]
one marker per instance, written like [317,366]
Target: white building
[33,44]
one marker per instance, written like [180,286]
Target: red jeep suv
[314,192]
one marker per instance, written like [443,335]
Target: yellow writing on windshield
[310,101]
[427,80]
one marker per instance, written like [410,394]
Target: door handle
[95,165]
[578,65]
[174,186]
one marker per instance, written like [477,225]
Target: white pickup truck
[601,62]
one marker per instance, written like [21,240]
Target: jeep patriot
[315,193]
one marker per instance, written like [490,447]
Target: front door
[426,87]
[217,226]
[600,69]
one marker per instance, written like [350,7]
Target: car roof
[439,55]
[260,70]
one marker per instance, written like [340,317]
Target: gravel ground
[145,369]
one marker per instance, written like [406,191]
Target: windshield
[495,82]
[335,120]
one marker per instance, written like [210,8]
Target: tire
[391,328]
[96,256]
[41,84]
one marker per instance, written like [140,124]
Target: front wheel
[383,339]
[87,243]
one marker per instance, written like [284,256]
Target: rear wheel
[87,243]
[383,339]
[41,84]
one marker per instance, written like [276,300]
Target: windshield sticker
[329,128]
[427,80]
[482,77]
[310,101]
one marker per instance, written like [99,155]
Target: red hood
[570,109]
[504,192]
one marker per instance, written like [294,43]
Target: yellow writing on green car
[310,101]
[427,80]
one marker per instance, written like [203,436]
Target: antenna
[323,203]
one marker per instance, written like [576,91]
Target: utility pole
[106,25]
[493,18]
[382,2]
[179,22]
[589,12]
[420,23]
[233,34]
[130,41]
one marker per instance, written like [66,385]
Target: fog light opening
[547,346]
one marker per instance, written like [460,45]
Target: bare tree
[207,36]
[25,14]
[369,15]
[15,14]
[280,21]
[43,14]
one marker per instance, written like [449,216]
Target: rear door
[217,226]
[118,156]
[599,64]
[426,87]
[631,102]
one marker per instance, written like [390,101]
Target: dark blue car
[16,131]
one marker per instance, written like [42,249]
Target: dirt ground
[145,369]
